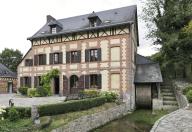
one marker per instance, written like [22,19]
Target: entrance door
[56,85]
[10,87]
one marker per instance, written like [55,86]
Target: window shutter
[21,81]
[29,83]
[31,62]
[79,56]
[81,82]
[65,85]
[87,56]
[87,81]
[60,57]
[99,81]
[44,59]
[51,58]
[36,60]
[68,57]
[99,54]
[35,81]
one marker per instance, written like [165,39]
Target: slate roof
[117,16]
[5,72]
[147,71]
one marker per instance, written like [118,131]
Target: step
[166,90]
[170,102]
[169,98]
[170,107]
[168,94]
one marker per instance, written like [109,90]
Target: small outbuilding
[147,81]
[8,80]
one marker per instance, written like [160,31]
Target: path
[25,101]
[178,121]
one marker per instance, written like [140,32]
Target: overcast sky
[22,18]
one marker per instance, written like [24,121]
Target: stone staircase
[169,99]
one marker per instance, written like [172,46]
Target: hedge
[71,106]
[23,112]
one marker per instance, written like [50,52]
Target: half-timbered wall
[117,58]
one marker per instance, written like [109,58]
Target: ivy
[46,80]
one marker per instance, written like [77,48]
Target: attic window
[93,23]
[53,30]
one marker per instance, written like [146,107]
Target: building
[95,50]
[8,80]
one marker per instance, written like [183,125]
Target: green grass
[16,126]
[62,119]
[138,121]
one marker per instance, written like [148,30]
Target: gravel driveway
[25,101]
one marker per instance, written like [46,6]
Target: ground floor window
[74,81]
[25,82]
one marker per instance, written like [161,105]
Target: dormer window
[53,30]
[94,20]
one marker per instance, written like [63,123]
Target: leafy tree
[167,20]
[10,58]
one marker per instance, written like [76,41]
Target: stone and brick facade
[97,52]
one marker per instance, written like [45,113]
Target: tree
[10,58]
[167,20]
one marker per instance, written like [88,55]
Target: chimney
[49,18]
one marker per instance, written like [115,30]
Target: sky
[21,19]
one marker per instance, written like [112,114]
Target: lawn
[138,121]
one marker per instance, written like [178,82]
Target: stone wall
[89,122]
[178,87]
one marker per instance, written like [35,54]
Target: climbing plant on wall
[46,80]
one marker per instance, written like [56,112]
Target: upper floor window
[92,55]
[73,57]
[93,23]
[40,59]
[29,62]
[53,30]
[56,58]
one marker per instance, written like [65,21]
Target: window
[28,62]
[53,30]
[40,59]
[37,81]
[93,81]
[56,58]
[93,23]
[74,56]
[115,81]
[94,55]
[115,54]
[74,81]
[25,82]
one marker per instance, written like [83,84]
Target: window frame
[74,56]
[28,62]
[95,55]
[55,58]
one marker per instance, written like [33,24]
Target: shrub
[189,96]
[187,89]
[23,112]
[110,96]
[70,106]
[42,92]
[32,92]
[89,93]
[23,90]
[13,114]
[2,111]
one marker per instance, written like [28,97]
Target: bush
[42,92]
[32,92]
[70,106]
[189,96]
[23,112]
[188,88]
[110,96]
[89,93]
[23,90]
[13,114]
